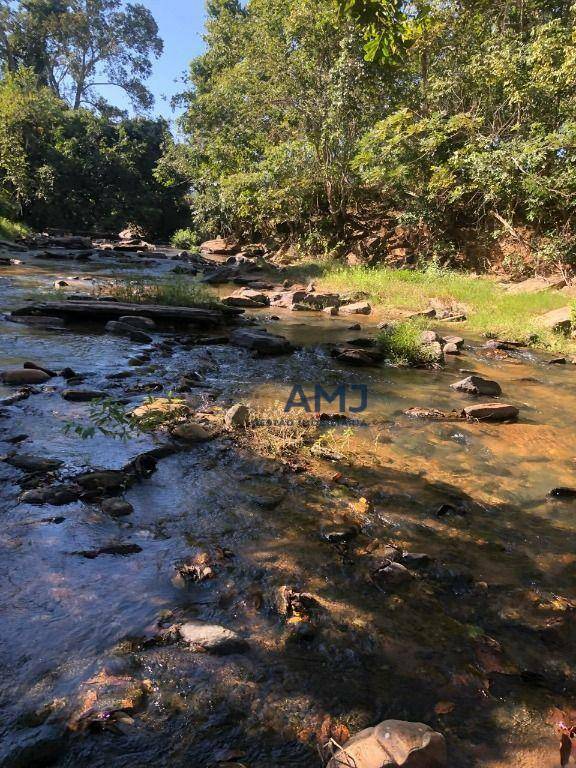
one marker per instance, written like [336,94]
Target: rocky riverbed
[227,593]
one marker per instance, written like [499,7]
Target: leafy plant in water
[112,419]
[401,343]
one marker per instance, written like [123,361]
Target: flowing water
[479,644]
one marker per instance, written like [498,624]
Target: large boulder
[237,417]
[287,299]
[220,246]
[24,376]
[559,320]
[391,744]
[129,331]
[491,412]
[476,385]
[260,341]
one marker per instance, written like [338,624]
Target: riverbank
[490,309]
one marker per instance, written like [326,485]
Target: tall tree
[78,46]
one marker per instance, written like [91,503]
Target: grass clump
[401,344]
[175,292]
[12,230]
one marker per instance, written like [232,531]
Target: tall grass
[490,309]
[173,292]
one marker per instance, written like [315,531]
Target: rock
[392,575]
[494,412]
[357,355]
[391,744]
[24,376]
[117,507]
[559,320]
[211,638]
[476,385]
[538,284]
[107,698]
[457,340]
[287,299]
[162,406]
[221,246]
[332,311]
[435,353]
[354,327]
[424,413]
[558,361]
[451,349]
[191,432]
[340,535]
[123,329]
[28,463]
[57,495]
[503,344]
[237,417]
[82,395]
[429,337]
[35,367]
[111,549]
[562,493]
[244,302]
[261,341]
[138,322]
[358,308]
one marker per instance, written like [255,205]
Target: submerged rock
[476,385]
[494,412]
[117,507]
[28,463]
[82,395]
[192,432]
[393,743]
[211,638]
[57,495]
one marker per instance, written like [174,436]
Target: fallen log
[103,311]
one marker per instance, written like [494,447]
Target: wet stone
[28,463]
[82,395]
[24,376]
[562,493]
[57,495]
[211,638]
[117,507]
[340,535]
[476,385]
[492,412]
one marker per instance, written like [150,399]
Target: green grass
[491,311]
[175,292]
[11,230]
[402,344]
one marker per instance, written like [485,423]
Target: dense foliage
[466,118]
[74,169]
[68,159]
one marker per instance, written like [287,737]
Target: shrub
[184,238]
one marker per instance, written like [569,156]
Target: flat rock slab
[557,320]
[102,311]
[211,638]
[358,308]
[82,395]
[261,341]
[476,385]
[537,284]
[393,743]
[494,412]
[28,463]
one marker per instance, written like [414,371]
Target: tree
[75,169]
[273,112]
[77,46]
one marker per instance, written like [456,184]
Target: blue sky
[181,23]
